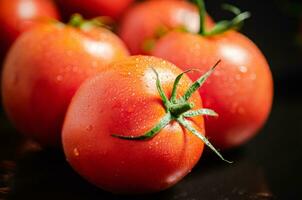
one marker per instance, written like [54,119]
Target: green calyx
[224,25]
[179,109]
[78,21]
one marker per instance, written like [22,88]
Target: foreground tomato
[123,136]
[17,15]
[45,67]
[240,90]
[95,8]
[145,22]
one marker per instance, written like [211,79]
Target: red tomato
[45,67]
[240,90]
[95,8]
[124,100]
[17,15]
[145,22]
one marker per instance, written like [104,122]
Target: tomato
[145,22]
[241,89]
[45,67]
[17,15]
[122,103]
[95,8]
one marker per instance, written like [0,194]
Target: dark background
[268,167]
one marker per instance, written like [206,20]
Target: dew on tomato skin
[67,68]
[76,152]
[89,128]
[59,78]
[243,69]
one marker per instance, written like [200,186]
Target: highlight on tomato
[137,127]
[240,90]
[45,67]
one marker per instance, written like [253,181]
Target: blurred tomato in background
[18,15]
[94,8]
[145,22]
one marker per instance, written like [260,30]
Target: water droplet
[89,128]
[243,69]
[76,152]
[59,78]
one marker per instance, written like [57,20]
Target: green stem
[203,111]
[161,90]
[221,26]
[176,82]
[199,82]
[150,134]
[76,20]
[185,123]
[202,16]
[178,109]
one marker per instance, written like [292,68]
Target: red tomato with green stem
[45,67]
[17,15]
[241,89]
[131,129]
[144,23]
[95,8]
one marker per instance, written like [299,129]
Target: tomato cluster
[131,121]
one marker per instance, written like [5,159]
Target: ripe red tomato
[95,8]
[17,15]
[240,90]
[146,22]
[45,67]
[124,100]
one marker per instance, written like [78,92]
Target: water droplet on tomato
[89,128]
[243,69]
[59,78]
[76,152]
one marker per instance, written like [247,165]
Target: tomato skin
[17,15]
[45,67]
[95,8]
[142,21]
[124,100]
[240,90]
